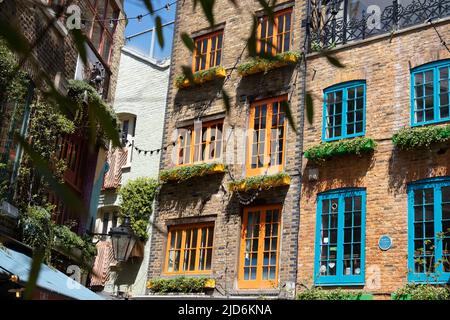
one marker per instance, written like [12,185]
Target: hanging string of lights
[168,6]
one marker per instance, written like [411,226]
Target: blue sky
[142,43]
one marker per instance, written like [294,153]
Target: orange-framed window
[275,36]
[260,242]
[208,51]
[102,30]
[266,136]
[200,143]
[189,249]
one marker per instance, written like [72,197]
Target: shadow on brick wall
[346,171]
[413,165]
[190,197]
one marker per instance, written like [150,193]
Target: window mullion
[436,90]
[208,53]
[340,237]
[275,35]
[344,112]
[262,230]
[267,151]
[183,243]
[197,249]
[438,227]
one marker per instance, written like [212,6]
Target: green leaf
[38,257]
[14,38]
[208,7]
[105,121]
[333,60]
[187,72]
[287,110]
[159,31]
[188,42]
[226,100]
[148,5]
[309,107]
[251,41]
[80,43]
[268,8]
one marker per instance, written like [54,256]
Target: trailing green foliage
[39,231]
[76,92]
[326,150]
[317,293]
[13,83]
[414,291]
[421,138]
[137,203]
[200,77]
[262,182]
[177,285]
[184,173]
[258,64]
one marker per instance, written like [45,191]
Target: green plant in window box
[257,65]
[200,77]
[183,173]
[260,182]
[413,291]
[317,293]
[178,285]
[327,150]
[421,138]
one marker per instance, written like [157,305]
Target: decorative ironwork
[336,22]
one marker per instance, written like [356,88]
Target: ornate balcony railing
[340,21]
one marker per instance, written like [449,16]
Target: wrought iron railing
[340,21]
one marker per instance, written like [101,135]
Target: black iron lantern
[123,240]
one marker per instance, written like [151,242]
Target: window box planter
[258,65]
[180,285]
[327,150]
[421,138]
[183,173]
[201,77]
[263,182]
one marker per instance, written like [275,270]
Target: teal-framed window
[430,93]
[340,237]
[344,111]
[429,230]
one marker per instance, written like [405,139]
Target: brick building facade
[242,261]
[383,78]
[371,221]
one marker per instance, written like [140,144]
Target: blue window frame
[429,230]
[430,93]
[344,111]
[340,237]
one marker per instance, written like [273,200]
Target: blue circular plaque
[385,242]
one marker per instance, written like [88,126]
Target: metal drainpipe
[299,161]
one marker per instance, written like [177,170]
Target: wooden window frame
[275,33]
[339,278]
[184,228]
[192,144]
[209,51]
[106,33]
[259,283]
[267,142]
[439,275]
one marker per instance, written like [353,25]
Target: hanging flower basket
[180,174]
[200,77]
[264,182]
[258,65]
